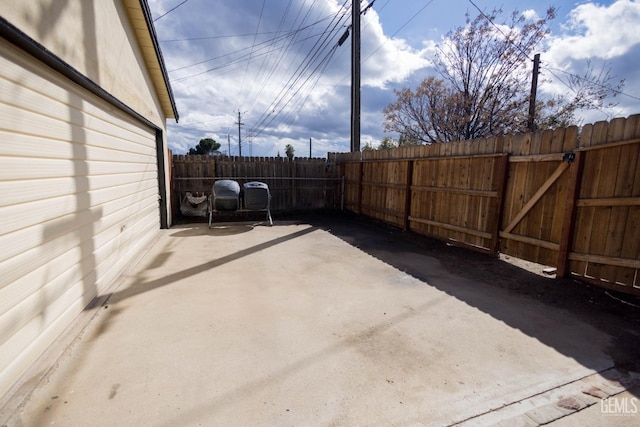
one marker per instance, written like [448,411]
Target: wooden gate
[606,240]
[579,211]
[567,198]
[539,197]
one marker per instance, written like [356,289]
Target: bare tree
[585,92]
[483,89]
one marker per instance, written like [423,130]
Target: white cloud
[260,73]
[530,15]
[214,76]
[605,36]
[598,31]
[389,60]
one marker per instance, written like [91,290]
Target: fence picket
[583,221]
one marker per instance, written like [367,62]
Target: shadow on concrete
[246,390]
[506,292]
[146,286]
[218,229]
[516,297]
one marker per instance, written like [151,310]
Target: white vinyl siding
[78,201]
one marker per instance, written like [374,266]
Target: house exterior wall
[97,39]
[78,176]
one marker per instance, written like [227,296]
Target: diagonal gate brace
[543,189]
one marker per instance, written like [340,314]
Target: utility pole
[239,135]
[534,90]
[229,143]
[355,75]
[309,147]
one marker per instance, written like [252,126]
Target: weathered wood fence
[564,198]
[299,184]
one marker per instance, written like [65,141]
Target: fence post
[343,173]
[360,176]
[501,175]
[407,199]
[175,207]
[342,193]
[292,174]
[568,219]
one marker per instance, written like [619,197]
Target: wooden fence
[564,198]
[299,184]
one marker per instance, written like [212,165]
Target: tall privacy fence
[298,184]
[566,198]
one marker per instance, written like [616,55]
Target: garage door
[78,201]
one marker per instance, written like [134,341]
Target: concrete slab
[560,402]
[319,322]
[621,410]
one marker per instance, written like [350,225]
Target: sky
[277,67]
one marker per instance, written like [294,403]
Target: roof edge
[146,12]
[25,43]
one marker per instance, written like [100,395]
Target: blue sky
[269,61]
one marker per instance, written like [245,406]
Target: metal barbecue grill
[227,196]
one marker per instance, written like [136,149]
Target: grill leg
[210,211]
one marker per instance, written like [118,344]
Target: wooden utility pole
[239,136]
[534,89]
[309,147]
[355,75]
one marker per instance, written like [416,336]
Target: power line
[265,76]
[288,117]
[272,41]
[488,18]
[550,69]
[572,88]
[394,34]
[244,75]
[588,81]
[190,39]
[303,77]
[412,17]
[293,86]
[170,10]
[278,111]
[270,117]
[245,57]
[383,6]
[616,91]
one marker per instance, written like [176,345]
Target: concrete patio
[326,321]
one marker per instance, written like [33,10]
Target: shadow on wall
[51,13]
[80,228]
